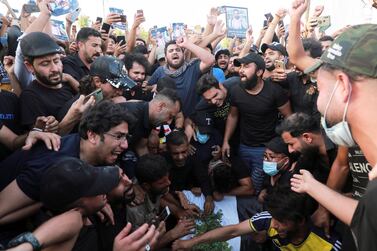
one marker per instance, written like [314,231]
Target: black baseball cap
[277,145]
[275,47]
[37,44]
[251,58]
[111,69]
[204,121]
[70,179]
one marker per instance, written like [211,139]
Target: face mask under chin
[339,133]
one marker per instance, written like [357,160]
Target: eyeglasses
[120,137]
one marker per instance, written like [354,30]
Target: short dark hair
[104,116]
[285,205]
[114,38]
[170,43]
[85,32]
[150,168]
[299,123]
[132,58]
[206,82]
[142,40]
[176,138]
[142,49]
[86,85]
[169,94]
[223,178]
[313,46]
[166,82]
[326,38]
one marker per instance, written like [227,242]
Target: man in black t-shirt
[137,67]
[89,48]
[47,93]
[186,172]
[256,103]
[162,109]
[302,133]
[216,103]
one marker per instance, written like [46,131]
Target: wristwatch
[25,237]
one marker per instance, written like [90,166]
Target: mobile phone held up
[106,28]
[121,40]
[31,8]
[97,94]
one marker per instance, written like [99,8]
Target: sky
[165,12]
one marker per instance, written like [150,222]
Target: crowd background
[130,123]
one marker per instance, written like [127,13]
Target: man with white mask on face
[347,80]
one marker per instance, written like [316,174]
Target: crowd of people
[100,137]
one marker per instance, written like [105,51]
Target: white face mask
[340,133]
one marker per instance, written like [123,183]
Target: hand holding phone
[279,64]
[164,214]
[97,94]
[106,28]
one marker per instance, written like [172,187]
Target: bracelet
[25,237]
[36,129]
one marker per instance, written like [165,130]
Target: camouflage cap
[353,50]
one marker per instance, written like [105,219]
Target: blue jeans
[253,158]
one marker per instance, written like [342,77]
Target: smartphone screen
[123,18]
[269,16]
[121,40]
[31,8]
[97,94]
[164,214]
[106,27]
[99,20]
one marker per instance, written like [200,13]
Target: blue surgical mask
[340,133]
[270,168]
[202,138]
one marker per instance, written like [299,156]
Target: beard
[271,68]
[177,65]
[48,81]
[89,59]
[250,84]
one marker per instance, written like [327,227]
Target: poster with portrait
[178,30]
[58,30]
[161,35]
[62,7]
[237,21]
[119,25]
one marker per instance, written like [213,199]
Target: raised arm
[206,58]
[42,20]
[280,14]
[295,48]
[249,42]
[139,18]
[218,32]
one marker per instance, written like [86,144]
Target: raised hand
[298,8]
[219,29]
[318,10]
[212,16]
